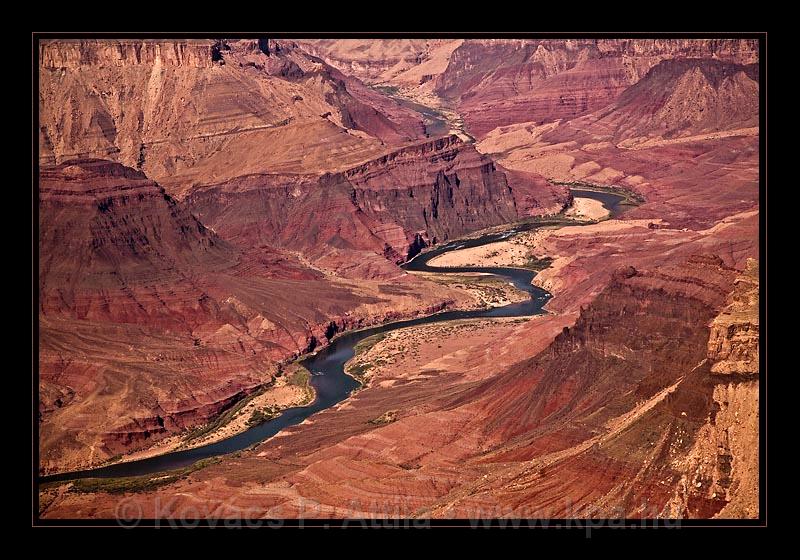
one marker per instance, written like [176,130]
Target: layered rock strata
[150,323]
[201,110]
[390,207]
[499,82]
[604,422]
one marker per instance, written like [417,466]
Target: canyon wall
[204,111]
[389,207]
[600,424]
[107,227]
[287,190]
[380,61]
[497,82]
[77,54]
[620,416]
[180,309]
[722,466]
[734,343]
[150,323]
[443,189]
[676,99]
[684,138]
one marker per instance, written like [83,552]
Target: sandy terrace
[456,347]
[485,290]
[512,252]
[587,210]
[282,395]
[516,252]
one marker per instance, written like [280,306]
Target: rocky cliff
[199,111]
[389,207]
[77,54]
[107,227]
[734,342]
[500,82]
[675,99]
[395,61]
[621,416]
[150,323]
[606,422]
[444,189]
[722,467]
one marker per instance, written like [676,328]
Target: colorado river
[331,384]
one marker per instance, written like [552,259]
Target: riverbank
[487,290]
[291,389]
[587,210]
[511,252]
[628,195]
[327,363]
[516,250]
[423,351]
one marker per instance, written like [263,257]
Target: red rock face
[635,396]
[150,323]
[107,227]
[595,401]
[443,189]
[499,82]
[365,109]
[286,211]
[378,61]
[677,98]
[598,425]
[389,207]
[225,104]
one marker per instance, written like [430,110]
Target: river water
[331,384]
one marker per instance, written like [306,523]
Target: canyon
[213,212]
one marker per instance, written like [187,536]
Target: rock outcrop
[733,346]
[199,111]
[107,227]
[150,323]
[395,61]
[500,82]
[389,207]
[722,467]
[684,137]
[443,189]
[78,54]
[675,99]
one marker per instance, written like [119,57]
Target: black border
[571,525]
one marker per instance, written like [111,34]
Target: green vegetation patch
[359,371]
[223,418]
[631,197]
[301,377]
[364,345]
[143,483]
[261,415]
[538,264]
[386,418]
[388,90]
[113,459]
